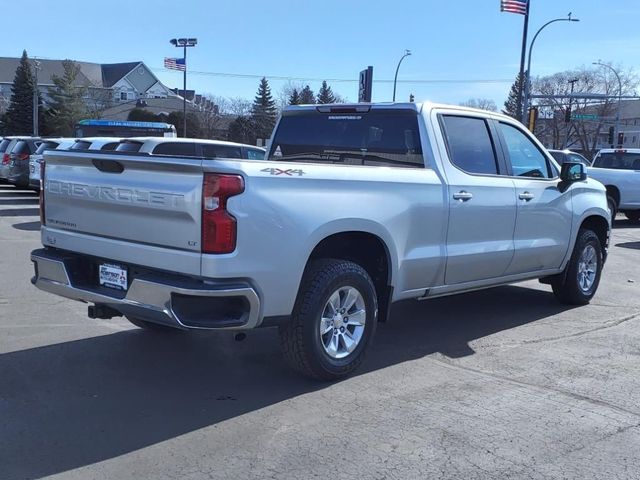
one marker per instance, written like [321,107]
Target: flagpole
[522,109]
[184,95]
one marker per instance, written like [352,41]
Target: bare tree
[591,116]
[480,103]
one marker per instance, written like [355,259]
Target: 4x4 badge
[278,171]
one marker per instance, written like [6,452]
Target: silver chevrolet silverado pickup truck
[356,206]
[619,171]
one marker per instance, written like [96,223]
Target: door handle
[463,196]
[526,196]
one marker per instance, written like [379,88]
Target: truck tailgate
[143,200]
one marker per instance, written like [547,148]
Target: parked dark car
[563,156]
[16,167]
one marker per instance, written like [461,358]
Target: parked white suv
[190,147]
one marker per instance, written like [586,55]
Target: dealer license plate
[113,276]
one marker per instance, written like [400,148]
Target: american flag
[175,64]
[514,6]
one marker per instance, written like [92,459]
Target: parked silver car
[36,158]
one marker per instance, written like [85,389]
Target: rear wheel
[152,326]
[633,215]
[333,321]
[613,207]
[578,283]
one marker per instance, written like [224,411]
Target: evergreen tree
[511,106]
[294,98]
[264,111]
[143,115]
[67,105]
[306,96]
[242,130]
[19,116]
[325,95]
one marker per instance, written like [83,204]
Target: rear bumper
[168,299]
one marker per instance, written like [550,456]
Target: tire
[613,208]
[152,326]
[574,286]
[327,290]
[633,215]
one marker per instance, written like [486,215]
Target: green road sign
[584,116]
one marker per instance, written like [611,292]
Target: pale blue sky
[461,40]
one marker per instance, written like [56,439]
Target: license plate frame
[114,276]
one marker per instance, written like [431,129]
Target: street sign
[584,116]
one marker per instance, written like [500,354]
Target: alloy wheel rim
[587,268]
[343,321]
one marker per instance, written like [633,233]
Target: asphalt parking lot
[505,383]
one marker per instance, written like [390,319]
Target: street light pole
[395,80]
[184,43]
[566,139]
[36,97]
[527,85]
[617,128]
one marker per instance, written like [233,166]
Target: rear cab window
[80,145]
[621,160]
[383,137]
[46,145]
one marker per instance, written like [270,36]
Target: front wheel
[578,283]
[333,320]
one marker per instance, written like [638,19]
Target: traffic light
[620,138]
[610,142]
[567,115]
[533,116]
[412,98]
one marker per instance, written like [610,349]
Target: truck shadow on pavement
[72,404]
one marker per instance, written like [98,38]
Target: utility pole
[36,97]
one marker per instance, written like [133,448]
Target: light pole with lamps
[395,79]
[527,85]
[184,43]
[619,96]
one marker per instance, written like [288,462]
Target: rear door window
[377,137]
[469,144]
[221,151]
[178,149]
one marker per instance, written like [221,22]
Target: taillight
[5,158]
[219,227]
[42,222]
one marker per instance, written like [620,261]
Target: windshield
[618,160]
[380,137]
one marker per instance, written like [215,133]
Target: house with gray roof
[108,84]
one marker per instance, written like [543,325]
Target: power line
[337,80]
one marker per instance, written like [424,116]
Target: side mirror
[573,172]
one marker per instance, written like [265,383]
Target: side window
[109,146]
[220,151]
[253,154]
[470,145]
[180,149]
[526,159]
[578,158]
